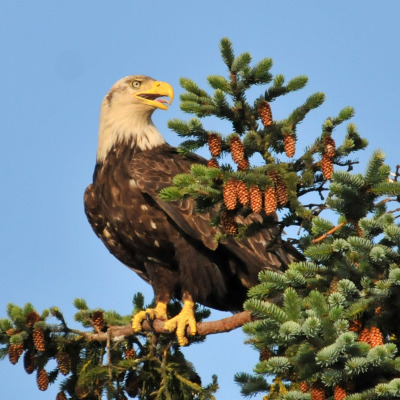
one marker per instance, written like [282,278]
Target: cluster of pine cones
[317,391]
[236,191]
[37,343]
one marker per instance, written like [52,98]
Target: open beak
[155,95]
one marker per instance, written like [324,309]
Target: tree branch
[203,328]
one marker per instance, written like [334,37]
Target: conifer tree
[325,328]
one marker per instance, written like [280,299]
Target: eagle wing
[154,170]
[108,236]
[265,249]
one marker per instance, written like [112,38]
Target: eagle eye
[136,84]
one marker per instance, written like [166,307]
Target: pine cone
[333,286]
[38,339]
[132,384]
[237,149]
[212,163]
[329,147]
[42,380]
[265,354]
[339,393]
[304,387]
[265,113]
[29,362]
[214,144]
[32,318]
[242,193]
[270,201]
[355,326]
[375,337]
[130,353]
[230,194]
[281,192]
[364,336]
[243,164]
[98,320]
[64,362]
[228,222]
[282,195]
[255,199]
[289,143]
[327,167]
[81,391]
[317,391]
[61,396]
[14,352]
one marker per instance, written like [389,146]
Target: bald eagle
[168,244]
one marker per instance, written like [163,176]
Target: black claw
[150,322]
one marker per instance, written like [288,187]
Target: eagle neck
[135,131]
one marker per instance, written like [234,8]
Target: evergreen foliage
[327,327]
[143,366]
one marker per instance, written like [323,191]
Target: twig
[325,235]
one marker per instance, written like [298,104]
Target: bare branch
[203,328]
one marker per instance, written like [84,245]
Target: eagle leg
[181,321]
[159,312]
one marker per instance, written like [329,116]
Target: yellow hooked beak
[154,95]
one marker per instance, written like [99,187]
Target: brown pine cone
[317,391]
[228,222]
[212,163]
[98,320]
[355,326]
[265,113]
[130,353]
[42,380]
[81,391]
[339,393]
[329,147]
[230,194]
[32,318]
[38,339]
[333,286]
[270,201]
[255,199]
[265,354]
[61,396]
[133,382]
[14,352]
[375,337]
[289,143]
[282,195]
[243,164]
[242,193]
[304,387]
[29,362]
[214,144]
[327,167]
[64,362]
[237,149]
[364,336]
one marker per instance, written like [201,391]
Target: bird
[169,244]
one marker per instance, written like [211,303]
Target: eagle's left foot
[181,321]
[160,312]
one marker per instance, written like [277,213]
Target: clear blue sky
[58,60]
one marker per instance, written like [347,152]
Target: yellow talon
[159,312]
[181,321]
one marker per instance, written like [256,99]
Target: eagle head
[125,114]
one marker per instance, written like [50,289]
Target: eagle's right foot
[159,312]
